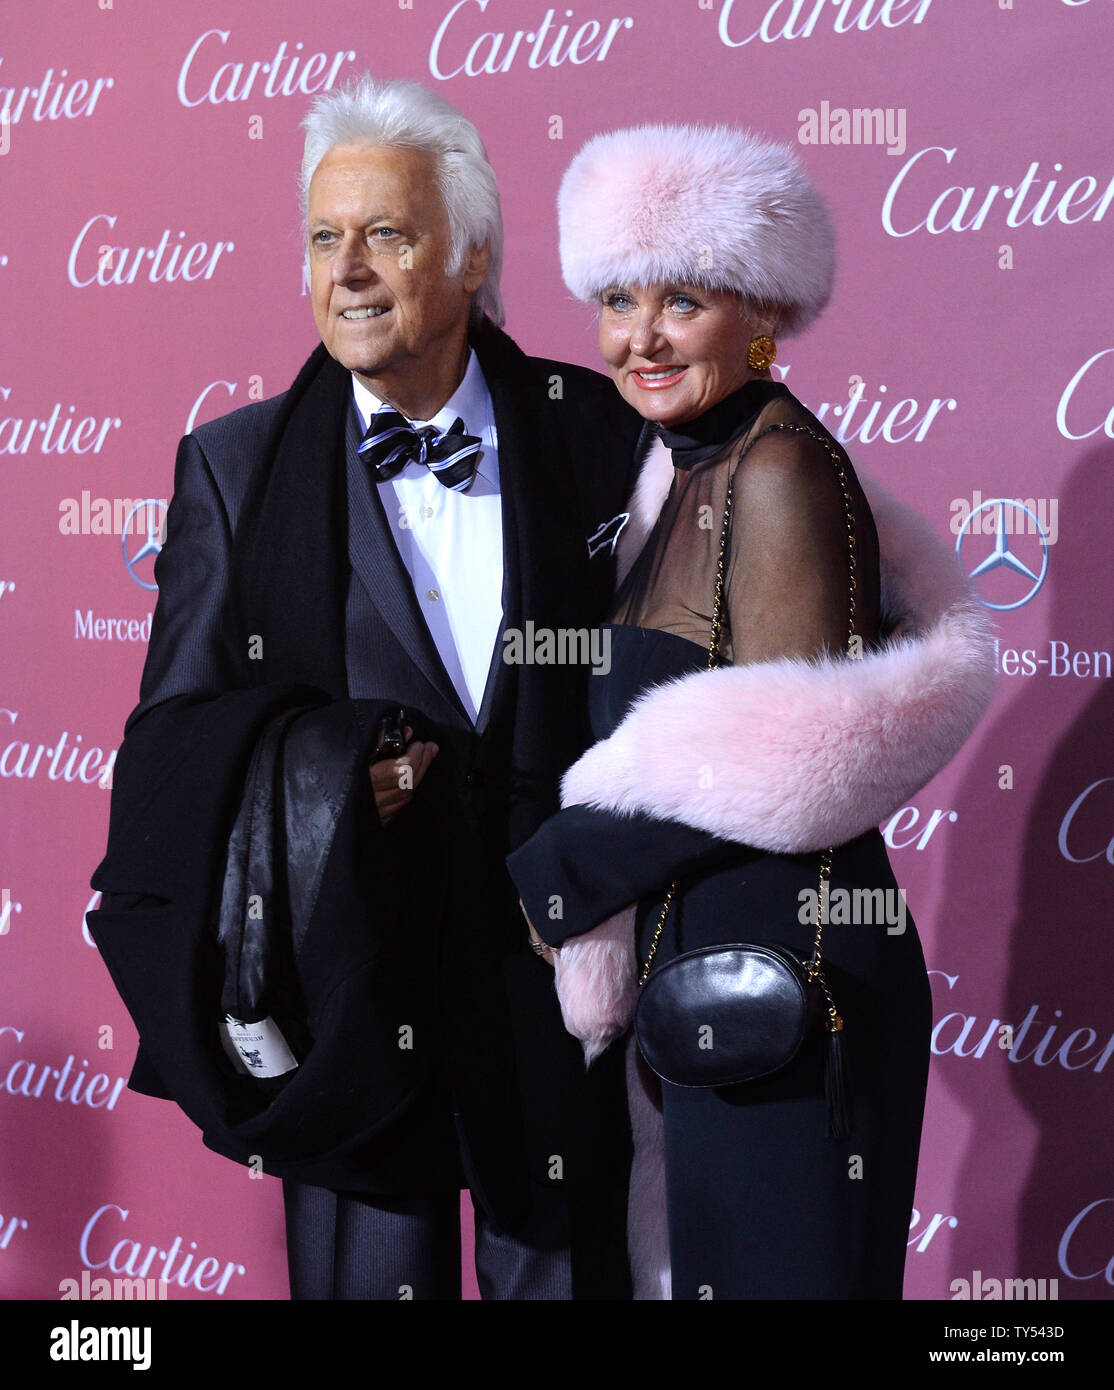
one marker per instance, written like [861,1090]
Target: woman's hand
[541,948]
[393,789]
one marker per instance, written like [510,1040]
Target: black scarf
[291,556]
[698,440]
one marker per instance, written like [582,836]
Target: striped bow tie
[392,441]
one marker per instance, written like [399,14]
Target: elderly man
[327,965]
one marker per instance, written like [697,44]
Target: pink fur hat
[707,205]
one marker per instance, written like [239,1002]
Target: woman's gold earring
[761,352]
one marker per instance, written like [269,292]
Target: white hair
[406,115]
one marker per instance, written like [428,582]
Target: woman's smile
[657,378]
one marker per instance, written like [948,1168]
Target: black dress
[762,1204]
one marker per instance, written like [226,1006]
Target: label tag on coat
[257,1049]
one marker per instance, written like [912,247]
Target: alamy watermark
[120,1289]
[980,1287]
[861,125]
[1017,516]
[562,646]
[88,515]
[856,907]
[89,1343]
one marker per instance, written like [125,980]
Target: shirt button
[432,595]
[427,511]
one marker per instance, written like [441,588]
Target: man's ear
[475,267]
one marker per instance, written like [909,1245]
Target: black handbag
[743,1011]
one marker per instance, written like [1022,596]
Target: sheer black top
[786,593]
[786,578]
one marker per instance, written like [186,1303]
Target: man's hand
[393,787]
[541,949]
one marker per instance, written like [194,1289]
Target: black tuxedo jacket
[280,586]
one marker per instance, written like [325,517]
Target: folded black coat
[166,963]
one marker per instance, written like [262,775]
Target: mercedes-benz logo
[1003,555]
[151,544]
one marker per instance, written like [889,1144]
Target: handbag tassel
[836,1089]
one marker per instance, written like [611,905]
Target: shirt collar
[471,401]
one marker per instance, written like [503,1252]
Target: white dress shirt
[452,542]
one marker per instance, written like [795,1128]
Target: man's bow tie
[392,441]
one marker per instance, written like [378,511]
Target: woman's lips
[658,378]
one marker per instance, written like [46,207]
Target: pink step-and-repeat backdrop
[151,278]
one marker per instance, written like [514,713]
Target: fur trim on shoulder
[792,755]
[650,491]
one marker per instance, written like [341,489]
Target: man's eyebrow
[375,217]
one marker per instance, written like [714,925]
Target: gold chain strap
[814,966]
